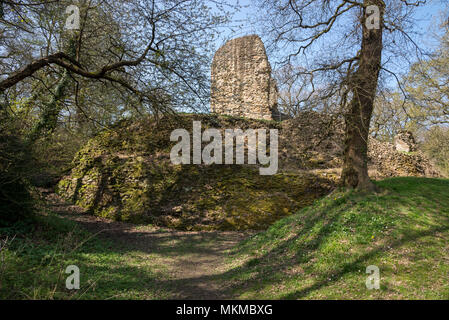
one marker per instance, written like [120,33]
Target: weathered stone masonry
[241,82]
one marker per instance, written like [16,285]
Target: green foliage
[436,146]
[16,202]
[428,86]
[427,91]
[53,156]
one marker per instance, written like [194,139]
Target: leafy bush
[16,202]
[436,145]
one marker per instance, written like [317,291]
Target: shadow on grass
[190,265]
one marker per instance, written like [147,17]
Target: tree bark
[363,87]
[48,121]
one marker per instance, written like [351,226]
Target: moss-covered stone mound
[126,174]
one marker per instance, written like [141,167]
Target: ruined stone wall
[241,83]
[404,141]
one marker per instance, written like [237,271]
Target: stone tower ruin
[241,82]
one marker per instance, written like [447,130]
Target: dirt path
[192,260]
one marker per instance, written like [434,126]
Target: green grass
[322,251]
[33,266]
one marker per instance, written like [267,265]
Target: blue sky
[427,17]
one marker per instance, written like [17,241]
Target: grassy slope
[322,251]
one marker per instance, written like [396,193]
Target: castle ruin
[241,82]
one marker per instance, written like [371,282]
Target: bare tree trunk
[363,86]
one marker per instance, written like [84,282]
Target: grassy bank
[322,251]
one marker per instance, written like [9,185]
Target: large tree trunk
[363,87]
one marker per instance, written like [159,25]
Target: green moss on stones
[126,174]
